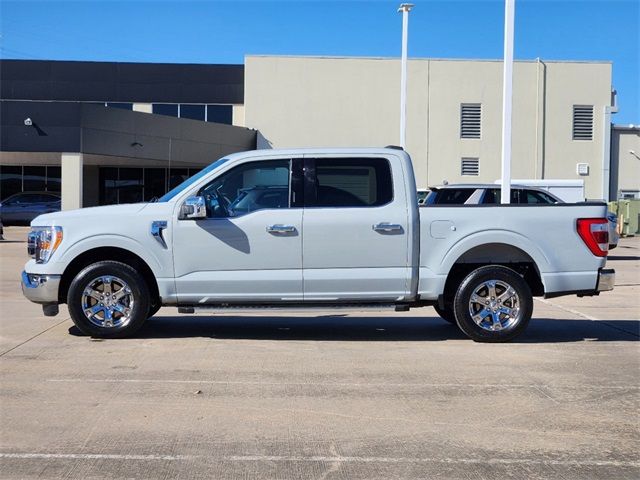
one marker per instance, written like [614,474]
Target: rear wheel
[108,299]
[153,309]
[493,304]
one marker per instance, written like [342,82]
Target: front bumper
[41,288]
[606,280]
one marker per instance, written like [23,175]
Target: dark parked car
[21,208]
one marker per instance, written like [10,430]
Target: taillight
[594,232]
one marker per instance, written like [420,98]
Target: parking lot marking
[328,459]
[94,456]
[584,315]
[35,336]
[342,384]
[568,310]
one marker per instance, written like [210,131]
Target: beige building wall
[238,115]
[315,101]
[142,107]
[625,161]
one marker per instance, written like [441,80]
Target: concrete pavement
[372,395]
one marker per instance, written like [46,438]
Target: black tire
[153,309]
[136,294]
[510,326]
[446,313]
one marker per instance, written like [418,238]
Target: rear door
[355,227]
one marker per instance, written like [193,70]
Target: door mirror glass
[193,208]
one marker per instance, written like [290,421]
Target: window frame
[310,190]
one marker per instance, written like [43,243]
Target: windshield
[191,180]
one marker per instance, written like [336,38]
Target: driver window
[247,188]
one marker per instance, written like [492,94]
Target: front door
[249,248]
[356,235]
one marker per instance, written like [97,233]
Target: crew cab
[313,227]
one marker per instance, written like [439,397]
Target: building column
[606,154]
[71,180]
[238,116]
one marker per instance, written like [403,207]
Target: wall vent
[470,120]
[582,169]
[470,166]
[583,122]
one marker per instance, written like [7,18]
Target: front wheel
[108,299]
[446,313]
[493,304]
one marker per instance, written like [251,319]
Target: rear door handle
[280,229]
[387,227]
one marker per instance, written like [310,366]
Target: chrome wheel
[494,305]
[107,302]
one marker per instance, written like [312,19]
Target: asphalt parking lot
[371,395]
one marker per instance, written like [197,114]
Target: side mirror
[193,208]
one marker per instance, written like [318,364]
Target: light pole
[507,100]
[404,8]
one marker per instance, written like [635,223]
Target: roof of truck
[320,151]
[482,185]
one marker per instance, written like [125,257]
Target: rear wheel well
[108,253]
[498,254]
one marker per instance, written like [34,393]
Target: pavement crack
[35,336]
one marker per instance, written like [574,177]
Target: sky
[226,31]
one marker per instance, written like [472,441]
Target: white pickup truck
[308,228]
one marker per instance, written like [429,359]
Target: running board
[295,308]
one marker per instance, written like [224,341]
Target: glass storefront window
[177,176]
[155,183]
[220,114]
[130,185]
[108,179]
[123,106]
[194,112]
[54,182]
[34,179]
[10,181]
[168,109]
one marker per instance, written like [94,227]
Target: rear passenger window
[494,196]
[451,196]
[351,182]
[534,197]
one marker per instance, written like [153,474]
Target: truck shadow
[373,328]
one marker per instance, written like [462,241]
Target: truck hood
[96,214]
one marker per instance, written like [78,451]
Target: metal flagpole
[507,100]
[404,8]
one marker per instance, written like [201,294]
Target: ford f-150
[313,227]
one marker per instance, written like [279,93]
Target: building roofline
[433,59]
[630,127]
[118,62]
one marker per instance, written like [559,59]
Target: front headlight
[43,241]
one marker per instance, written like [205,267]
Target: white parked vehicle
[475,193]
[569,191]
[321,227]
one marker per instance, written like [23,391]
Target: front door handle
[387,227]
[281,229]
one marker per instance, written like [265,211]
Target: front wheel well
[497,254]
[108,253]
